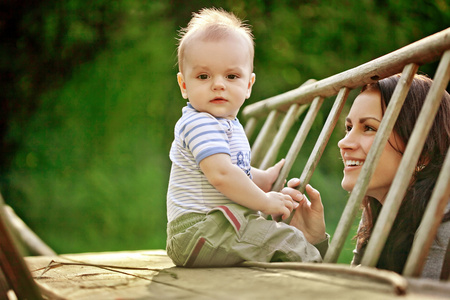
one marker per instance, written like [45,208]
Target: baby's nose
[218,84]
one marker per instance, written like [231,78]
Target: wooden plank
[151,275]
[114,275]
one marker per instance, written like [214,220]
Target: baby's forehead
[215,35]
[233,37]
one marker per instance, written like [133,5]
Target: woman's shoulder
[438,249]
[444,228]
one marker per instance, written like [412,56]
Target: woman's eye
[369,128]
[232,76]
[202,76]
[348,128]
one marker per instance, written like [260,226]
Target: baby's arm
[231,181]
[265,179]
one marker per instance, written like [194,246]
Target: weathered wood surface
[152,275]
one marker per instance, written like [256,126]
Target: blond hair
[213,24]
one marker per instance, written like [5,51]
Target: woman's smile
[362,124]
[353,163]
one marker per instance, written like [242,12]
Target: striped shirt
[197,136]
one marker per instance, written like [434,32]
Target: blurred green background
[89,100]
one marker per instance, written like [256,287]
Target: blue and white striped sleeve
[204,136]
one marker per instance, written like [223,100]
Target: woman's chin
[348,186]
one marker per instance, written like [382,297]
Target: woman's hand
[308,216]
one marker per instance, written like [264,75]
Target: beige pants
[231,234]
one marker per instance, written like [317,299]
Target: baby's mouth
[218,100]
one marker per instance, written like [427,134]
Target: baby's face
[217,75]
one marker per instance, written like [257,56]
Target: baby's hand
[279,205]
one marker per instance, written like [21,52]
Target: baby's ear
[182,84]
[250,84]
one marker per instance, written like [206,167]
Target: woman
[362,123]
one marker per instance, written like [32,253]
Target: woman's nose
[347,142]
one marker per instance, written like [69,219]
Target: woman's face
[361,125]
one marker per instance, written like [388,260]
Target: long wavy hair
[400,239]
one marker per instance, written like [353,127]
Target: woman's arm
[231,181]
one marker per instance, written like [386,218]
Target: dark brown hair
[399,241]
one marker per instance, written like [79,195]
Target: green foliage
[93,170]
[91,167]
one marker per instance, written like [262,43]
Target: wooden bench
[146,274]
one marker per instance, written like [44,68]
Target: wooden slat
[430,223]
[286,124]
[407,165]
[25,235]
[323,138]
[13,265]
[322,141]
[250,127]
[267,144]
[421,52]
[261,143]
[298,143]
[360,189]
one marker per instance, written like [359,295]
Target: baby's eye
[203,76]
[232,76]
[348,128]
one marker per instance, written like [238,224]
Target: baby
[214,195]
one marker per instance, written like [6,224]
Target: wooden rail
[421,52]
